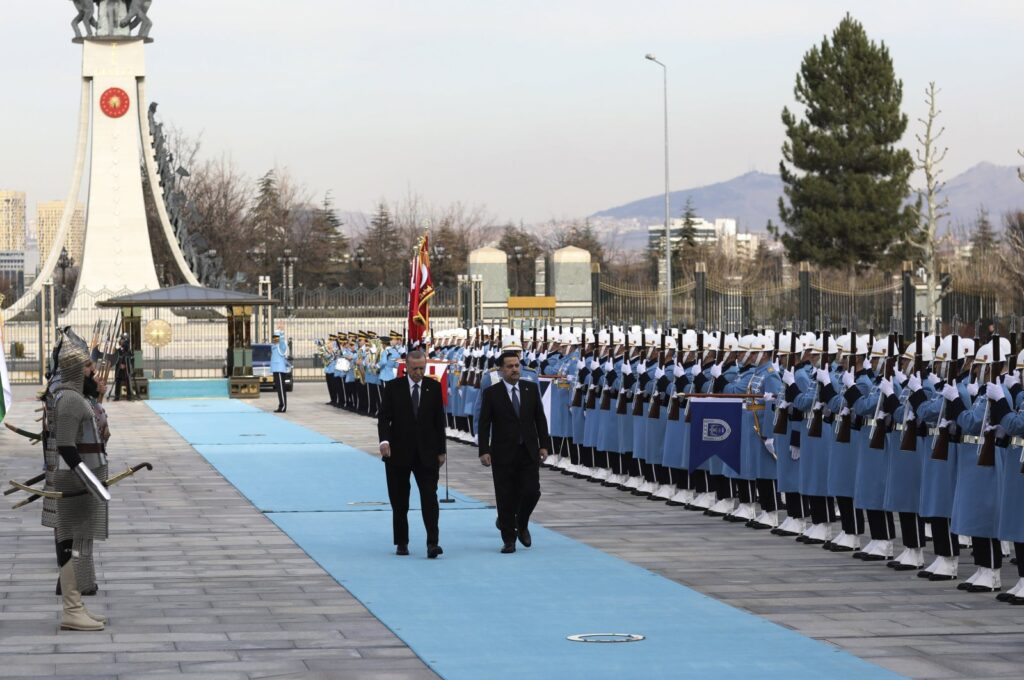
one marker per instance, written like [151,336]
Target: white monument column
[117,249]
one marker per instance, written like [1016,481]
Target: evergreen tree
[268,230]
[522,249]
[581,235]
[848,183]
[384,255]
[323,246]
[983,238]
[447,263]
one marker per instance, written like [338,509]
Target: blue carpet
[202,406]
[181,388]
[311,477]
[475,613]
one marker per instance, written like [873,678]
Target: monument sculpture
[113,128]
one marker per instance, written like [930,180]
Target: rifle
[640,399]
[814,427]
[782,414]
[608,392]
[846,421]
[879,429]
[679,399]
[908,442]
[620,404]
[940,443]
[987,445]
[655,411]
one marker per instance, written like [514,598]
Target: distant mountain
[752,199]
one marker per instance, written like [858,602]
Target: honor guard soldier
[279,367]
[1006,412]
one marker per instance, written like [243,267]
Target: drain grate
[606,637]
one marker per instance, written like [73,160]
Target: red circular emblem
[114,102]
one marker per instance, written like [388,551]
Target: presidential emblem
[715,430]
[114,102]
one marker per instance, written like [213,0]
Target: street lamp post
[668,234]
[287,262]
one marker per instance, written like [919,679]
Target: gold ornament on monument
[157,333]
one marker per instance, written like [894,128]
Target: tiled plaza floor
[196,581]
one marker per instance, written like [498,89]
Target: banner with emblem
[546,383]
[421,290]
[715,430]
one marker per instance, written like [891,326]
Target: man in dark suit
[514,439]
[412,441]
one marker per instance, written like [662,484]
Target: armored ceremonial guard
[76,465]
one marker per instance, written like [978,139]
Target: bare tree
[221,194]
[929,159]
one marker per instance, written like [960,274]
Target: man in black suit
[412,440]
[513,435]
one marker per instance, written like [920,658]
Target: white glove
[608,366]
[769,444]
[821,375]
[885,387]
[627,368]
[768,398]
[901,377]
[696,369]
[994,392]
[866,365]
[659,373]
[543,356]
[716,370]
[788,378]
[579,365]
[1011,380]
[845,411]
[776,367]
[950,392]
[932,379]
[794,453]
[848,379]
[972,389]
[678,371]
[914,383]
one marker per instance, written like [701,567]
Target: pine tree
[581,235]
[384,255]
[267,222]
[983,238]
[848,183]
[323,246]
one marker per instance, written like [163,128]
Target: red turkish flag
[421,290]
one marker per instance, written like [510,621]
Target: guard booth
[534,311]
[237,380]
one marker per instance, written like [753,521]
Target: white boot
[791,526]
[722,507]
[942,569]
[988,581]
[1013,592]
[705,500]
[634,483]
[603,474]
[881,551]
[845,542]
[646,488]
[665,491]
[681,497]
[909,559]
[74,615]
[767,520]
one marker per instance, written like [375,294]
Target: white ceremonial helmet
[710,342]
[567,339]
[688,341]
[880,348]
[618,337]
[986,354]
[589,335]
[944,352]
[808,337]
[670,342]
[927,348]
[635,336]
[510,343]
[786,343]
[833,348]
[730,343]
[603,337]
[651,336]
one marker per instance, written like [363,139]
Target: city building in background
[48,214]
[12,220]
[12,273]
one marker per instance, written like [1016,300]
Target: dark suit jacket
[499,429]
[419,439]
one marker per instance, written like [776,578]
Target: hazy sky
[536,109]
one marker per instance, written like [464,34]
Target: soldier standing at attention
[279,366]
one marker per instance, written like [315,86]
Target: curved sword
[35,437]
[58,495]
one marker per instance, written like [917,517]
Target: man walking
[412,441]
[514,439]
[279,366]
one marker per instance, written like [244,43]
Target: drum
[344,364]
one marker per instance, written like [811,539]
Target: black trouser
[374,391]
[880,525]
[794,505]
[282,396]
[699,481]
[331,389]
[912,529]
[1018,551]
[767,495]
[122,378]
[851,518]
[339,392]
[398,494]
[823,510]
[516,492]
[945,542]
[987,552]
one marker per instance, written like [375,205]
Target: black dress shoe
[801,539]
[963,586]
[1005,597]
[525,538]
[433,551]
[278,410]
[983,589]
[904,567]
[1016,600]
[924,573]
[874,558]
[815,541]
[859,555]
[840,548]
[941,577]
[402,550]
[508,548]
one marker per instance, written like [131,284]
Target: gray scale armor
[69,421]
